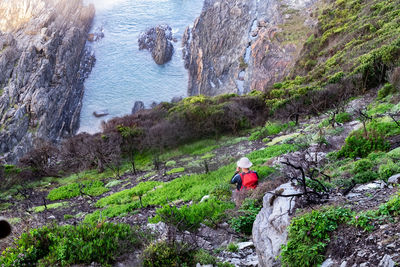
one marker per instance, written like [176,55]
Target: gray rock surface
[395,179]
[158,41]
[41,85]
[240,45]
[270,226]
[387,262]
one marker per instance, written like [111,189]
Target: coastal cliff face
[41,82]
[242,45]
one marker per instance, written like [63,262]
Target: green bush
[190,217]
[222,192]
[244,223]
[66,245]
[164,254]
[176,170]
[203,257]
[388,169]
[362,165]
[92,188]
[232,247]
[386,90]
[343,117]
[358,145]
[365,177]
[309,235]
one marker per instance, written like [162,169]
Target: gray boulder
[158,40]
[270,226]
[395,179]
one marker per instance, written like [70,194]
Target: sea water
[123,74]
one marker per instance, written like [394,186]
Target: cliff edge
[41,86]
[243,45]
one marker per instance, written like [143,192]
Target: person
[246,179]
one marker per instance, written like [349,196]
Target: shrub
[203,257]
[92,188]
[244,223]
[386,90]
[365,177]
[222,192]
[388,169]
[362,165]
[190,217]
[165,254]
[309,235]
[176,170]
[232,247]
[170,163]
[66,245]
[358,145]
[343,117]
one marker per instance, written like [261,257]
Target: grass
[185,188]
[176,170]
[92,188]
[49,207]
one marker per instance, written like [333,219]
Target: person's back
[246,179]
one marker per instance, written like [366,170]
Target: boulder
[158,40]
[139,105]
[395,179]
[270,226]
[387,262]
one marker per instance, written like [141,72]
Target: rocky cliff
[41,84]
[241,45]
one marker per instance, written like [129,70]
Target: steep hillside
[41,47]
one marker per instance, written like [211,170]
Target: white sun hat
[244,163]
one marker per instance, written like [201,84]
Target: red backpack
[249,180]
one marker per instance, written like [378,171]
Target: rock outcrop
[158,41]
[41,85]
[241,45]
[270,226]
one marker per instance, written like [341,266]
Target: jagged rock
[158,41]
[42,44]
[386,262]
[270,226]
[244,245]
[139,105]
[370,186]
[161,229]
[101,113]
[328,263]
[97,35]
[231,36]
[395,179]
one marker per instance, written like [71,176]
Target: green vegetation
[244,223]
[271,128]
[66,245]
[232,247]
[359,145]
[49,206]
[176,170]
[343,117]
[166,254]
[188,217]
[309,234]
[91,188]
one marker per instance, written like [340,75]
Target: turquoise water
[123,74]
